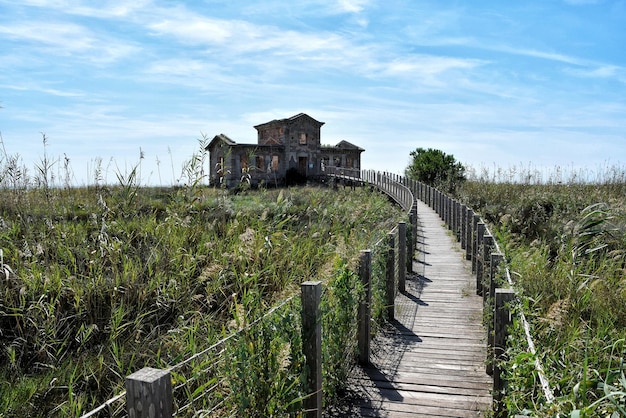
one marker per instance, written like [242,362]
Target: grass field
[566,245]
[99,282]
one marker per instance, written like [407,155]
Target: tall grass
[566,240]
[100,281]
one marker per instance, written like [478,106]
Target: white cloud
[104,9]
[46,90]
[62,36]
[198,29]
[430,64]
[63,39]
[352,6]
[602,71]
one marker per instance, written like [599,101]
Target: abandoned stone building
[285,148]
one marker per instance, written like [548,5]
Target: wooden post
[453,217]
[496,259]
[411,242]
[501,321]
[402,256]
[480,235]
[448,212]
[312,347]
[486,269]
[475,221]
[391,276]
[453,210]
[468,233]
[149,394]
[364,331]
[440,204]
[463,226]
[413,236]
[457,220]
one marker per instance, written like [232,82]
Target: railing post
[451,214]
[429,198]
[496,259]
[475,220]
[365,273]
[480,235]
[453,218]
[402,256]
[411,242]
[439,204]
[459,220]
[149,394]
[312,347]
[502,320]
[391,276]
[486,267]
[469,218]
[463,227]
[413,236]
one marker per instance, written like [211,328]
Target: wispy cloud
[601,71]
[63,39]
[105,9]
[353,6]
[62,36]
[32,87]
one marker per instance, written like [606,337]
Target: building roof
[288,120]
[348,146]
[220,138]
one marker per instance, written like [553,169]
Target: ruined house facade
[285,147]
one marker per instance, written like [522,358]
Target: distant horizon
[510,84]
[110,172]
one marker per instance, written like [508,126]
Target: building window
[275,163]
[260,162]
[302,138]
[244,162]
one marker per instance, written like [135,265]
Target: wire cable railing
[200,387]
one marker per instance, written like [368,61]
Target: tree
[435,168]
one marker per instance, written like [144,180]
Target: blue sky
[495,83]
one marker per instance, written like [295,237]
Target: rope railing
[206,391]
[545,385]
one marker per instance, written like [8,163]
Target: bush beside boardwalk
[566,242]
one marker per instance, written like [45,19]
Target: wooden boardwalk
[429,361]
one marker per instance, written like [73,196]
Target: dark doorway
[302,163]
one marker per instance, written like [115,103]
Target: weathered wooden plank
[400,410]
[427,376]
[393,399]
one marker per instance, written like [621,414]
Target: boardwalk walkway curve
[429,361]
